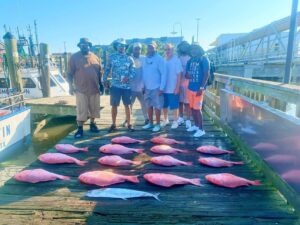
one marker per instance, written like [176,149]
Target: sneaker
[180,121]
[156,128]
[165,123]
[79,133]
[188,124]
[199,133]
[148,126]
[112,128]
[130,128]
[192,128]
[94,128]
[174,125]
[146,121]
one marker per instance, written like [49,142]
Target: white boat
[32,84]
[14,123]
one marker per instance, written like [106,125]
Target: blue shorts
[171,101]
[117,93]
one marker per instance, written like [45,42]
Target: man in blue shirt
[122,69]
[197,71]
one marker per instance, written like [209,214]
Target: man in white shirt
[154,79]
[171,90]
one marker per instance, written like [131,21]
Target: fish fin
[189,163]
[63,177]
[238,163]
[196,182]
[86,149]
[137,162]
[140,151]
[80,163]
[133,179]
[255,182]
[155,195]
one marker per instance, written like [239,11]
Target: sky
[102,21]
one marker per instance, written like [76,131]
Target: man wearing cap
[154,78]
[122,70]
[84,77]
[197,71]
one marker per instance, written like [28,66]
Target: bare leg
[187,111]
[165,111]
[127,112]
[80,123]
[175,114]
[157,115]
[181,109]
[150,114]
[114,112]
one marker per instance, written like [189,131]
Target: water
[46,138]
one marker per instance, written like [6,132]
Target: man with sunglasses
[122,70]
[84,77]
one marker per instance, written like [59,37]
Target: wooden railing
[283,97]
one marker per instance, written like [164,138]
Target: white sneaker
[165,123]
[193,128]
[188,124]
[148,126]
[174,125]
[156,128]
[199,133]
[180,121]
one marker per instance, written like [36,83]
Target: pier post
[66,64]
[61,65]
[45,69]
[13,61]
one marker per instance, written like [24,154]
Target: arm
[107,71]
[70,75]
[187,70]
[132,71]
[205,69]
[179,72]
[162,70]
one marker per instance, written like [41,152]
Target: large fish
[125,140]
[209,149]
[168,180]
[115,160]
[104,178]
[118,149]
[38,175]
[165,141]
[121,193]
[230,180]
[67,148]
[216,162]
[167,160]
[166,149]
[58,158]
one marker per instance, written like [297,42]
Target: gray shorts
[153,99]
[117,93]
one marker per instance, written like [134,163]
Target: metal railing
[12,102]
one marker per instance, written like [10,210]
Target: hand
[125,80]
[176,91]
[106,84]
[71,89]
[187,76]
[160,92]
[199,92]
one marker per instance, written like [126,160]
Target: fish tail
[180,142]
[230,152]
[86,149]
[238,163]
[137,162]
[196,182]
[183,151]
[140,151]
[142,141]
[255,182]
[155,195]
[133,179]
[63,177]
[80,163]
[188,163]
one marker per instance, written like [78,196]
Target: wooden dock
[63,202]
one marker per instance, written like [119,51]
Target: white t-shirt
[173,68]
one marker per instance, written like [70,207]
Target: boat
[14,123]
[32,83]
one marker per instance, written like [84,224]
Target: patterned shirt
[120,66]
[197,68]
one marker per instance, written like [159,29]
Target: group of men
[173,82]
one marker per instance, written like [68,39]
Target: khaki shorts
[87,106]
